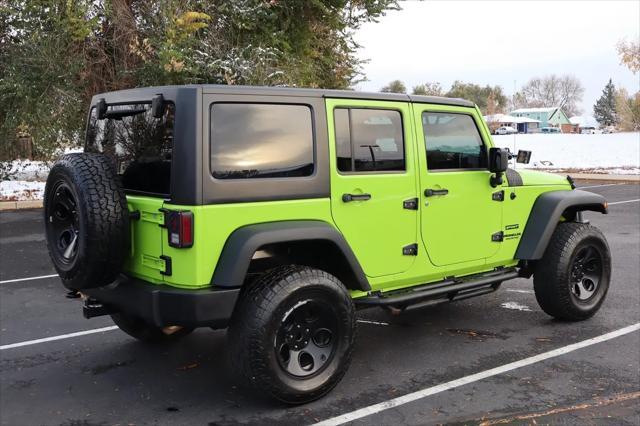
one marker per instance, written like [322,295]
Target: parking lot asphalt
[107,378]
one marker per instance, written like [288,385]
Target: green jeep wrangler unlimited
[278,212]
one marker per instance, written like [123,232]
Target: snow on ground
[21,190]
[614,153]
[25,170]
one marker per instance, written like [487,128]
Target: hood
[530,178]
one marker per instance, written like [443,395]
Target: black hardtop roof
[288,91]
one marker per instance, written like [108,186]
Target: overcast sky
[497,42]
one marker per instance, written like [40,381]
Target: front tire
[572,278]
[292,333]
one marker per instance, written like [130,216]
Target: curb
[20,205]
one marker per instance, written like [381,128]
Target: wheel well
[320,254]
[572,213]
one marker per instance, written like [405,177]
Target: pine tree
[604,110]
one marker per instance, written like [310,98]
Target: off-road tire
[263,306]
[145,332]
[552,279]
[101,217]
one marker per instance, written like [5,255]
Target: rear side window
[452,142]
[261,141]
[139,145]
[369,140]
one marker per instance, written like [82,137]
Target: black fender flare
[239,248]
[545,216]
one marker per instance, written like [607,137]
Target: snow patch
[24,170]
[516,306]
[21,190]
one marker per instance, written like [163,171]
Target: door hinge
[167,266]
[498,196]
[411,204]
[410,250]
[497,237]
[161,264]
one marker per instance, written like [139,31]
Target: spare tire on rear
[86,220]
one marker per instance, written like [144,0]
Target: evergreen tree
[604,110]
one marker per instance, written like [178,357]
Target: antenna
[513,102]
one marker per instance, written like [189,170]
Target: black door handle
[431,192]
[355,197]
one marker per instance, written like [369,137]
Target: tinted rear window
[139,144]
[261,141]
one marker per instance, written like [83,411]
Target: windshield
[139,144]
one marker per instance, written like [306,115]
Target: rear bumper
[163,305]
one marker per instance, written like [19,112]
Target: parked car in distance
[505,130]
[609,129]
[588,131]
[549,130]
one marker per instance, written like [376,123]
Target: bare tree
[552,91]
[629,54]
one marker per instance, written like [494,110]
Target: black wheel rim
[306,339]
[586,273]
[63,223]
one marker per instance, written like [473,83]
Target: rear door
[372,176]
[460,216]
[141,147]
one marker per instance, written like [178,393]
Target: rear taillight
[179,226]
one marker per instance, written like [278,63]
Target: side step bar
[446,290]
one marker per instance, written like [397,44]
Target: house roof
[583,121]
[503,118]
[527,110]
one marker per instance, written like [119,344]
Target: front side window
[369,140]
[452,142]
[139,144]
[261,141]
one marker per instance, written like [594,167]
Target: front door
[372,175]
[460,216]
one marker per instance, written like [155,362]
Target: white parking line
[42,277]
[515,290]
[600,186]
[414,396]
[372,322]
[60,337]
[622,202]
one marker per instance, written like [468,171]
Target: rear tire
[145,332]
[572,278]
[292,333]
[86,221]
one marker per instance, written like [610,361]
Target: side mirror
[498,160]
[498,163]
[157,106]
[523,157]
